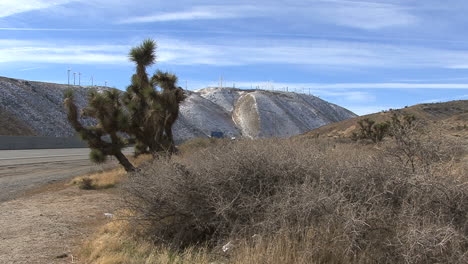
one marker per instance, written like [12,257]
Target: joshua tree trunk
[124,162]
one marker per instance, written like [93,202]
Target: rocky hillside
[34,108]
[451,116]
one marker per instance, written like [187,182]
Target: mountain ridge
[35,108]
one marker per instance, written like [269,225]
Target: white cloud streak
[196,13]
[31,68]
[12,7]
[12,51]
[355,14]
[326,87]
[315,53]
[361,14]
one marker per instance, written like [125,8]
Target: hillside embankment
[36,108]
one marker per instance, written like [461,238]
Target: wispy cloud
[361,14]
[461,97]
[308,52]
[195,13]
[12,51]
[327,88]
[231,52]
[8,8]
[356,14]
[31,69]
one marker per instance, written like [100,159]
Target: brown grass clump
[107,178]
[310,201]
[115,244]
[100,180]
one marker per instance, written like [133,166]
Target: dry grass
[100,180]
[115,244]
[312,201]
[107,178]
[295,201]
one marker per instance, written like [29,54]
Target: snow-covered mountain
[235,112]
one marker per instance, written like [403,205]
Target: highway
[23,170]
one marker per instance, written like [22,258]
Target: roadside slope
[453,116]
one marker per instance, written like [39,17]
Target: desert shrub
[368,129]
[86,183]
[347,203]
[201,143]
[419,145]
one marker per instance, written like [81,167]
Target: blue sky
[364,55]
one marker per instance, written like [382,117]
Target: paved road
[23,170]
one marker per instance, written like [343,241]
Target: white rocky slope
[40,105]
[254,113]
[235,112]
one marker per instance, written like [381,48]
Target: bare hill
[254,113]
[10,125]
[452,116]
[35,108]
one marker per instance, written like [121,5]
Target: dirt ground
[48,224]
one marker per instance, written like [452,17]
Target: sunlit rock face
[254,113]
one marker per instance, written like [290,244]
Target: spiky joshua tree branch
[145,113]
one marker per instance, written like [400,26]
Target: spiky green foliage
[97,156]
[144,54]
[103,139]
[152,103]
[145,113]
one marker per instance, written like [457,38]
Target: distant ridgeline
[36,109]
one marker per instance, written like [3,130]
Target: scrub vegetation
[300,200]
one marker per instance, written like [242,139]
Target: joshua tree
[152,112]
[171,97]
[144,113]
[103,139]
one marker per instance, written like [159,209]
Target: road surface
[23,170]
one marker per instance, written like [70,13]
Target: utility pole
[105,83]
[68,74]
[92,80]
[79,78]
[186,85]
[74,77]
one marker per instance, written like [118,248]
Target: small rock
[108,215]
[64,255]
[228,246]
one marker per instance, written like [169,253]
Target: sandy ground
[48,224]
